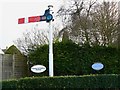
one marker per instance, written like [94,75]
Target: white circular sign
[38,68]
[97,66]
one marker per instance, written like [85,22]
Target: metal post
[51,73]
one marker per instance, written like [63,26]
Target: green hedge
[72,59]
[9,84]
[64,82]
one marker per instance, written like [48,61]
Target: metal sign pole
[51,73]
[50,50]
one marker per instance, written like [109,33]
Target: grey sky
[11,10]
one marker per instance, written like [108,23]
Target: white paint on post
[26,19]
[50,50]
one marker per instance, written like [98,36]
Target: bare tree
[79,20]
[91,22]
[118,40]
[33,39]
[105,20]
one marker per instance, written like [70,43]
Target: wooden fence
[13,66]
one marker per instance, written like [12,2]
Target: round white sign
[38,68]
[97,66]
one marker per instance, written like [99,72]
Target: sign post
[50,50]
[51,73]
[48,18]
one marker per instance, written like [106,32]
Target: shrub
[64,82]
[72,59]
[9,84]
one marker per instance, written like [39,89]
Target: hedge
[72,59]
[64,82]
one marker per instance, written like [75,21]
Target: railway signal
[48,17]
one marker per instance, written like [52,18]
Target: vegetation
[64,82]
[95,28]
[72,59]
[90,22]
[32,38]
[84,21]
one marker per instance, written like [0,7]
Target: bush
[9,85]
[72,59]
[64,82]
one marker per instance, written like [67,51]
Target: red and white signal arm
[31,19]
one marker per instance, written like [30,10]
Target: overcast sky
[11,10]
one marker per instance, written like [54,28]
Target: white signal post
[51,71]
